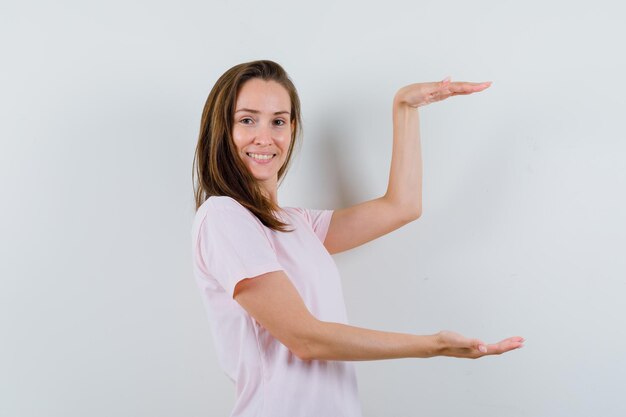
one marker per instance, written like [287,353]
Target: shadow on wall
[345,176]
[337,176]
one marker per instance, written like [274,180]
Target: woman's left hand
[421,94]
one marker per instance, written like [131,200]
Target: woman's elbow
[306,344]
[303,352]
[412,215]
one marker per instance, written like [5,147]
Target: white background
[523,231]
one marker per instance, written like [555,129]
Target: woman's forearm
[336,341]
[405,176]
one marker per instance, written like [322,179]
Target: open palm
[421,94]
[459,346]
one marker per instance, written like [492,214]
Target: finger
[505,345]
[468,89]
[513,339]
[441,90]
[480,346]
[462,88]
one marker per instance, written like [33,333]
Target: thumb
[480,345]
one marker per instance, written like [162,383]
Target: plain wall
[523,230]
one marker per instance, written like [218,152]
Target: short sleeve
[319,221]
[234,245]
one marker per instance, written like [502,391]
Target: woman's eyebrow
[256,111]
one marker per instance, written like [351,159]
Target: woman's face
[262,128]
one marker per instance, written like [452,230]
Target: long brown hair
[217,167]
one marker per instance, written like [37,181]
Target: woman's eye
[280,122]
[244,121]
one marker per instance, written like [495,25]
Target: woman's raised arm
[402,203]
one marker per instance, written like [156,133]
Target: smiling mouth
[260,157]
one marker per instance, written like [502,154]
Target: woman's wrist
[402,100]
[399,100]
[428,346]
[439,344]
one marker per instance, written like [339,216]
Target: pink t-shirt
[230,244]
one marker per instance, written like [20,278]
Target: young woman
[269,284]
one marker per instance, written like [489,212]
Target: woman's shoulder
[219,202]
[305,211]
[298,211]
[310,215]
[222,202]
[218,206]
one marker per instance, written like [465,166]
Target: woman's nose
[264,136]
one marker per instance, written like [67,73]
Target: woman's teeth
[257,156]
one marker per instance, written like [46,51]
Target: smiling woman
[262,130]
[274,299]
[253,108]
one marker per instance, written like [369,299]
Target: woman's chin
[263,176]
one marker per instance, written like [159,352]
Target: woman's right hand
[458,346]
